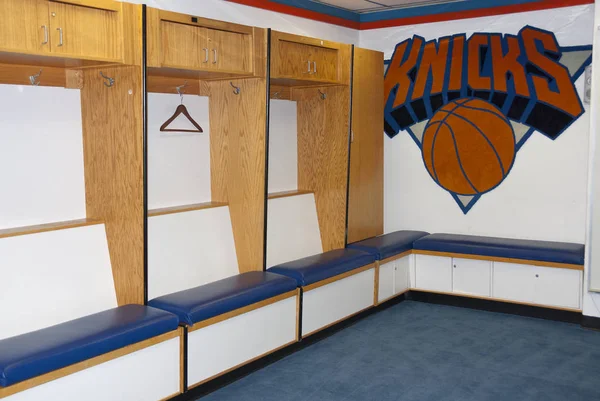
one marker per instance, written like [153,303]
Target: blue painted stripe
[321,8]
[467,5]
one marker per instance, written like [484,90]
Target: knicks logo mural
[471,104]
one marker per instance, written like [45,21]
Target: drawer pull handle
[308,65]
[215,56]
[45,28]
[315,67]
[205,55]
[60,36]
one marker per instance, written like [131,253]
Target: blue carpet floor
[421,352]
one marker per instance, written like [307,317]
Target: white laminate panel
[402,274]
[472,277]
[150,374]
[386,281]
[53,277]
[513,281]
[232,342]
[558,287]
[333,302]
[433,273]
[186,250]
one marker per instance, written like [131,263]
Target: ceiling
[365,6]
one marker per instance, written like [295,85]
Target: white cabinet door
[402,274]
[558,287]
[386,281]
[471,276]
[514,282]
[433,273]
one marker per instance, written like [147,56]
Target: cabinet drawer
[433,273]
[471,276]
[91,33]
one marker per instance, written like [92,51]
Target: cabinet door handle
[205,55]
[215,56]
[45,28]
[308,64]
[315,67]
[60,36]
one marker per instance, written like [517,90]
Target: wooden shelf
[61,225]
[185,208]
[285,194]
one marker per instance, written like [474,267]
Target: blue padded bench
[322,266]
[227,321]
[33,354]
[213,299]
[543,251]
[389,245]
[336,285]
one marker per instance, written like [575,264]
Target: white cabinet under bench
[555,282]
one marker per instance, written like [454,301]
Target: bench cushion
[388,245]
[210,300]
[546,251]
[323,265]
[42,351]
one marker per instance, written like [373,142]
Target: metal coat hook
[276,95]
[180,90]
[323,95]
[34,78]
[236,89]
[111,81]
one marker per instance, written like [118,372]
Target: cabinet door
[86,32]
[471,276]
[25,26]
[230,51]
[434,273]
[184,46]
[514,282]
[325,64]
[293,60]
[386,281]
[402,275]
[558,287]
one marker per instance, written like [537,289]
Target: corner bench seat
[544,251]
[388,245]
[322,266]
[206,301]
[33,354]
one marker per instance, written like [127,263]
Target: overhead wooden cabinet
[184,42]
[77,30]
[308,59]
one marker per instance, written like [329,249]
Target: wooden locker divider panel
[365,208]
[237,158]
[323,156]
[113,158]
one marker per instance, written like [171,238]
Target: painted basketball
[468,146]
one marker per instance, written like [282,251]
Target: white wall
[42,156]
[544,197]
[178,162]
[283,146]
[240,14]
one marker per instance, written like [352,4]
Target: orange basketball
[468,146]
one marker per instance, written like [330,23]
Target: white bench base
[226,342]
[325,305]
